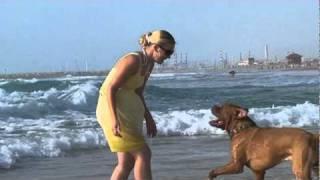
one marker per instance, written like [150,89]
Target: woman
[121,107]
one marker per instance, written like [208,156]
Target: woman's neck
[148,56]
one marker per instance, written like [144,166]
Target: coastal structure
[180,62]
[266,52]
[247,62]
[294,59]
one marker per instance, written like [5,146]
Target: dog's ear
[241,112]
[216,110]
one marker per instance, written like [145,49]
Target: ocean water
[46,118]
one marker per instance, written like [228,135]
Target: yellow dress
[129,110]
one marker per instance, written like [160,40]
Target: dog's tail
[315,147]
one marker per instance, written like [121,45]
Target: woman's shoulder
[131,55]
[134,53]
[131,59]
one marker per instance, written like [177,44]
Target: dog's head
[227,115]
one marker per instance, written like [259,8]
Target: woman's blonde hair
[160,37]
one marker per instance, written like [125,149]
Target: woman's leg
[124,166]
[142,166]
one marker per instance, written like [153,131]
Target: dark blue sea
[51,118]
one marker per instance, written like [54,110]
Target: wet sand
[174,158]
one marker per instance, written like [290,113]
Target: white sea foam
[196,122]
[306,114]
[2,92]
[81,92]
[190,122]
[3,82]
[163,76]
[47,137]
[22,103]
[48,145]
[55,135]
[213,80]
[76,78]
[33,80]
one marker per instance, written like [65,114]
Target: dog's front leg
[231,168]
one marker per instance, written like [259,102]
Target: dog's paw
[212,175]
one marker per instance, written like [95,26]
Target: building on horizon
[294,59]
[247,62]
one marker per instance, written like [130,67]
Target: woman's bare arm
[125,68]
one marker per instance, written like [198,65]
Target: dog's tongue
[217,123]
[214,123]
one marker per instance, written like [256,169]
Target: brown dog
[262,148]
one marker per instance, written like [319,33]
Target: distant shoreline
[47,75]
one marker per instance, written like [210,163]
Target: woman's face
[163,52]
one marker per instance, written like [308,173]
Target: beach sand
[174,158]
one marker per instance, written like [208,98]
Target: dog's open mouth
[217,123]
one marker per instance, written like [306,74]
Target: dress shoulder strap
[142,61]
[132,53]
[141,58]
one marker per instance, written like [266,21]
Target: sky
[55,35]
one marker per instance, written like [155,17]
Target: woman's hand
[116,128]
[151,127]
